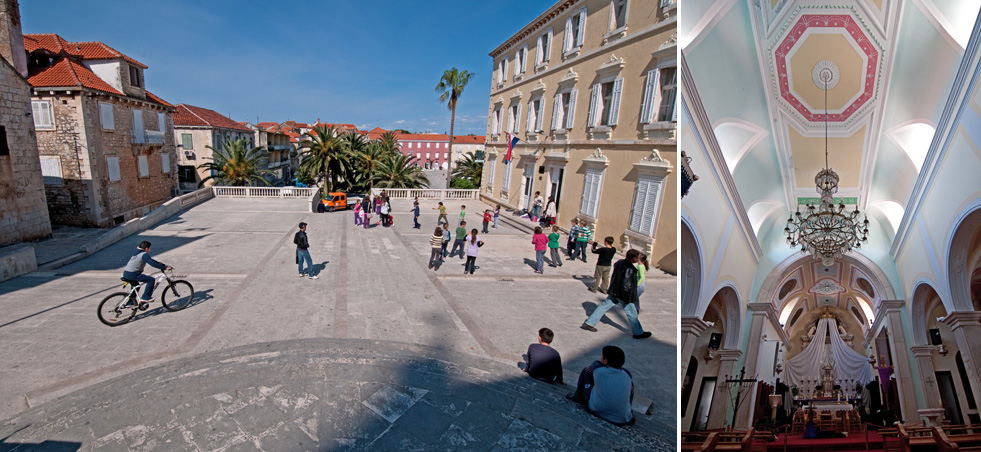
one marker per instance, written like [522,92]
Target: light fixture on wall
[826,230]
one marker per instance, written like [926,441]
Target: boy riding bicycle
[134,269]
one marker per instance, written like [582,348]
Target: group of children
[363,209]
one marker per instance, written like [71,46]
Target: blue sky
[369,63]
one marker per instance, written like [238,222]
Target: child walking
[497,213]
[540,242]
[553,247]
[442,214]
[487,219]
[415,214]
[436,242]
[357,214]
[446,237]
[366,221]
[642,268]
[473,242]
[463,213]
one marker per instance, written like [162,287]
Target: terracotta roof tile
[94,50]
[189,115]
[68,72]
[153,98]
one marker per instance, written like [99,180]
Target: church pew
[916,438]
[963,435]
[946,444]
[699,441]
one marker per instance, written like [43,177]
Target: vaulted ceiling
[758,66]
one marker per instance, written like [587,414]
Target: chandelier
[826,230]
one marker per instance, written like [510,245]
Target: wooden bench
[916,438]
[947,443]
[699,441]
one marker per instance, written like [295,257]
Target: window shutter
[539,114]
[143,166]
[655,97]
[539,48]
[517,118]
[51,170]
[530,123]
[556,109]
[42,114]
[524,58]
[105,112]
[586,190]
[615,101]
[594,197]
[517,63]
[640,200]
[593,102]
[504,72]
[494,120]
[161,122]
[568,42]
[187,141]
[572,109]
[112,165]
[548,45]
[138,131]
[582,28]
[165,162]
[647,111]
[651,202]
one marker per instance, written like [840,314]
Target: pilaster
[966,326]
[760,313]
[720,401]
[691,330]
[892,310]
[924,361]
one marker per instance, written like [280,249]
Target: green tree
[389,142]
[400,171]
[233,163]
[367,161]
[470,168]
[451,87]
[324,158]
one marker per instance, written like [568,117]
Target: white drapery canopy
[848,363]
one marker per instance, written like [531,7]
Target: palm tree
[470,168]
[233,163]
[323,158]
[367,161]
[389,142]
[399,171]
[451,87]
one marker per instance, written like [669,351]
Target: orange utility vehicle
[335,201]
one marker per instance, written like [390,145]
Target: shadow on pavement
[199,298]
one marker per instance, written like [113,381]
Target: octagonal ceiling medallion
[842,38]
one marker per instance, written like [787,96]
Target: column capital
[957,319]
[693,325]
[761,308]
[728,355]
[891,305]
[921,351]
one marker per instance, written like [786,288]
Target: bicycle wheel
[177,295]
[111,313]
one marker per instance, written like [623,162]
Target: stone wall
[23,211]
[86,196]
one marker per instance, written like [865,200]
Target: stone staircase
[328,394]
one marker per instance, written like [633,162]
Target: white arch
[913,138]
[878,278]
[919,306]
[959,238]
[691,269]
[729,296]
[760,211]
[893,211]
[736,137]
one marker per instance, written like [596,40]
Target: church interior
[830,223]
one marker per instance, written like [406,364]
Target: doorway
[948,396]
[527,185]
[555,176]
[701,415]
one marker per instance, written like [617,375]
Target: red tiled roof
[189,115]
[468,139]
[94,50]
[268,125]
[68,72]
[153,98]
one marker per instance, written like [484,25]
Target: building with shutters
[588,88]
[197,131]
[105,142]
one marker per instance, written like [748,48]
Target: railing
[427,193]
[195,197]
[263,192]
[147,137]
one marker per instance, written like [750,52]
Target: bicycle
[121,307]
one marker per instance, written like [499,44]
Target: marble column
[722,398]
[893,312]
[966,326]
[928,381]
[691,330]
[760,312]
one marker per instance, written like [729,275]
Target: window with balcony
[660,92]
[604,106]
[105,114]
[543,48]
[575,31]
[41,110]
[564,110]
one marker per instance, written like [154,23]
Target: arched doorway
[715,352]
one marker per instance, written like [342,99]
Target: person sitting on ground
[544,362]
[606,388]
[133,271]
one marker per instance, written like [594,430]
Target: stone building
[104,140]
[588,88]
[277,155]
[195,129]
[23,209]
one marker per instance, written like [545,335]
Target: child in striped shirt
[436,242]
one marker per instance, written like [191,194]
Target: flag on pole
[512,140]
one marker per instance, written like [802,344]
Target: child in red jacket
[487,219]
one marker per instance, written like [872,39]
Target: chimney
[11,39]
